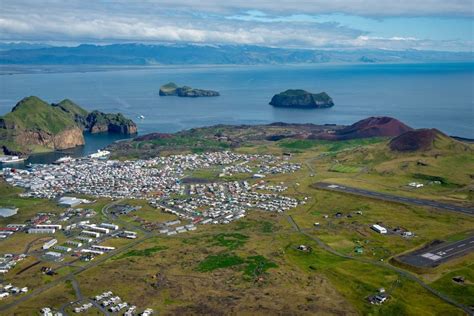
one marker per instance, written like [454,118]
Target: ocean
[421,95]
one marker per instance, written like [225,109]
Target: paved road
[394,198]
[34,242]
[71,275]
[91,264]
[79,296]
[401,272]
[437,254]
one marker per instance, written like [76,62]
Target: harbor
[94,143]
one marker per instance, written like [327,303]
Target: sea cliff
[36,126]
[171,89]
[297,98]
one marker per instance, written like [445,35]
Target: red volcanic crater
[381,126]
[420,139]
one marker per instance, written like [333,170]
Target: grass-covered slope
[425,140]
[323,96]
[36,126]
[71,108]
[33,125]
[168,89]
[32,113]
[171,89]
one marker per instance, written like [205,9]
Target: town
[158,177]
[171,184]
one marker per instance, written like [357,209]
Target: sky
[445,25]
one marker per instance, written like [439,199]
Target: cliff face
[66,139]
[98,122]
[34,125]
[302,99]
[171,89]
[194,93]
[69,138]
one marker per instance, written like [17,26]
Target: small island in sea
[298,98]
[171,89]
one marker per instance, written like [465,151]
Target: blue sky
[313,24]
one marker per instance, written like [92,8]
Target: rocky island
[33,125]
[297,98]
[171,89]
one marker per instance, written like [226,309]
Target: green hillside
[72,108]
[169,87]
[32,113]
[323,96]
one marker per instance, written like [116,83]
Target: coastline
[99,141]
[17,69]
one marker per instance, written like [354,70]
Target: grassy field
[344,169]
[461,292]
[252,265]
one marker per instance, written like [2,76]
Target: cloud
[128,29]
[352,7]
[259,22]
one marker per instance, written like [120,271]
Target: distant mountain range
[22,45]
[141,54]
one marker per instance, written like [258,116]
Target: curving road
[71,275]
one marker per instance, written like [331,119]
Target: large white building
[41,231]
[50,243]
[379,229]
[68,201]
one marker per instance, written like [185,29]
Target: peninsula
[33,125]
[297,98]
[171,89]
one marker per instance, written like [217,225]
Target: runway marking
[395,198]
[462,245]
[458,252]
[449,249]
[431,256]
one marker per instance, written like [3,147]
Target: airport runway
[395,198]
[437,254]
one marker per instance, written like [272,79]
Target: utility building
[379,229]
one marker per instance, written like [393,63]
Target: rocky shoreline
[297,98]
[171,89]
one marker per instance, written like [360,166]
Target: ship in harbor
[100,154]
[11,159]
[64,159]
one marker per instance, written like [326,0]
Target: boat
[141,117]
[63,160]
[100,154]
[12,159]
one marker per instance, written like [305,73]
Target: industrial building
[49,244]
[41,231]
[102,248]
[89,233]
[63,248]
[379,229]
[109,226]
[58,227]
